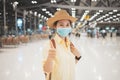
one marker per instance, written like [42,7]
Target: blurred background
[23,32]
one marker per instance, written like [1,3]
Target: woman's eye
[68,25]
[61,25]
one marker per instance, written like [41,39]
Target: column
[35,15]
[15,8]
[4,11]
[74,15]
[24,22]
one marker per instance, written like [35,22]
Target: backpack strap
[53,42]
[71,44]
[50,74]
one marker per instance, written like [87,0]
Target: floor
[100,59]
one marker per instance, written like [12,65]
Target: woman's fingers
[52,53]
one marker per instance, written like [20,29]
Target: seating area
[17,40]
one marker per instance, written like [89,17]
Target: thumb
[52,45]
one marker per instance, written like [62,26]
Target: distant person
[103,33]
[111,33]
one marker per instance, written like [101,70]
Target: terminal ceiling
[107,11]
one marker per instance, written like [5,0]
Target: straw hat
[59,15]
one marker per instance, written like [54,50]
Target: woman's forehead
[64,21]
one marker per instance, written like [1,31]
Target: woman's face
[63,24]
[63,27]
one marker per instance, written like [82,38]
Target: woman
[60,55]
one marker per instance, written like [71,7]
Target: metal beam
[85,3]
[83,8]
[88,2]
[72,6]
[98,3]
[68,2]
[77,2]
[104,3]
[108,3]
[40,5]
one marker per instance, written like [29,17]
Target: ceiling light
[47,12]
[83,16]
[114,16]
[115,10]
[108,18]
[35,13]
[110,12]
[114,19]
[94,0]
[100,10]
[117,19]
[87,11]
[92,17]
[97,19]
[73,8]
[106,14]
[39,15]
[111,17]
[30,12]
[42,16]
[105,19]
[73,0]
[16,3]
[34,2]
[98,13]
[73,11]
[50,14]
[118,14]
[58,9]
[53,1]
[44,9]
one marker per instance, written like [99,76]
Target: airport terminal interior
[24,32]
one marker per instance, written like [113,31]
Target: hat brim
[52,20]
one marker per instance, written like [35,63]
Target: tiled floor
[100,60]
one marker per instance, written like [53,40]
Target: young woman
[60,56]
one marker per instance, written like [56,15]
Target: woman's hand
[48,66]
[75,51]
[51,54]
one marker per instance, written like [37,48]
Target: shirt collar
[60,40]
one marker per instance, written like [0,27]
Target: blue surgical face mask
[63,32]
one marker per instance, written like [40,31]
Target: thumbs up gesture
[51,54]
[48,66]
